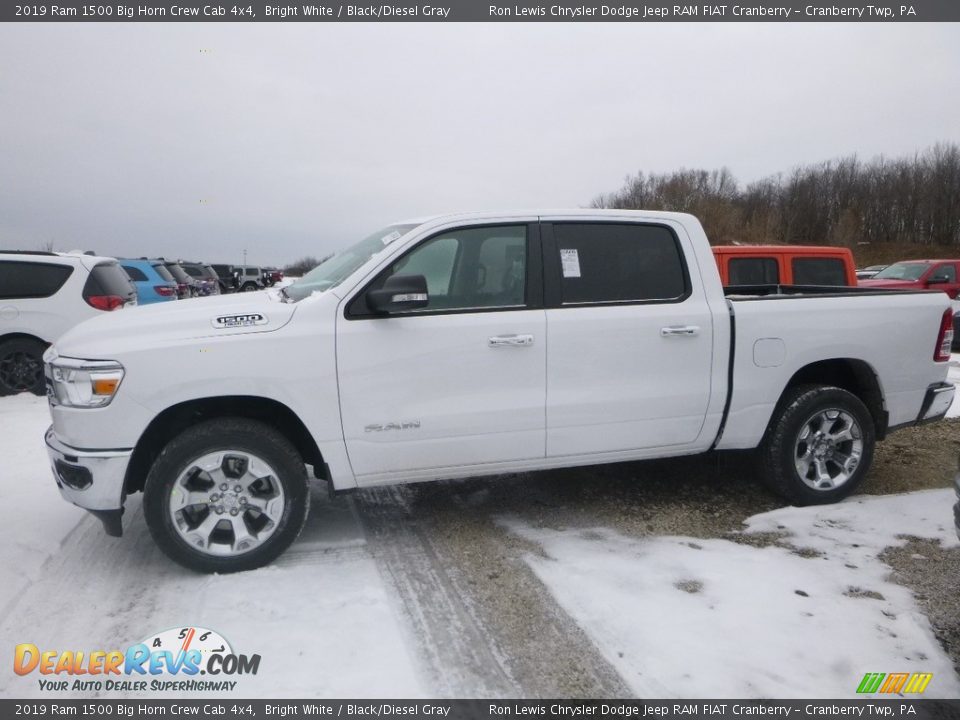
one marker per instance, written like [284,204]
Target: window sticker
[570,263]
[387,239]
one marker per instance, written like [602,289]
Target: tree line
[907,200]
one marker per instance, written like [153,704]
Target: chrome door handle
[510,341]
[682,330]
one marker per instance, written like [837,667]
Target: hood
[890,284]
[162,324]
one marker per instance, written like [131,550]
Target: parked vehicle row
[43,294]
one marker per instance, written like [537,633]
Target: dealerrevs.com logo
[172,660]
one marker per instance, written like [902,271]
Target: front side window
[819,271]
[947,271]
[468,268]
[31,280]
[606,262]
[753,271]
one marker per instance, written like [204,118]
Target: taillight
[105,302]
[164,290]
[945,339]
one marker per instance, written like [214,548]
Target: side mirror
[399,292]
[938,280]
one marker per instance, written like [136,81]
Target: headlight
[83,383]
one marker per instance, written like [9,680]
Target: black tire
[249,287]
[21,367]
[781,445]
[221,434]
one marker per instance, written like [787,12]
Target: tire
[209,534]
[21,367]
[249,287]
[816,427]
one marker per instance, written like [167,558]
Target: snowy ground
[685,617]
[321,618]
[365,605]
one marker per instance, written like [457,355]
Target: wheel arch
[23,336]
[855,376]
[176,418]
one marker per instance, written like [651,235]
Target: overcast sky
[197,141]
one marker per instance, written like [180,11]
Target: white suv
[42,295]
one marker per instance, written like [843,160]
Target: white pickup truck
[478,344]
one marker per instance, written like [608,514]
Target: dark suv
[227,277]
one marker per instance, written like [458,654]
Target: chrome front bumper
[91,479]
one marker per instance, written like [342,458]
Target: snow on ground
[685,617]
[38,520]
[953,375]
[321,617]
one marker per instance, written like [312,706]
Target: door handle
[510,341]
[682,330]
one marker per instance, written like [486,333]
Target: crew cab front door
[460,382]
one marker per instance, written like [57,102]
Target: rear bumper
[936,402]
[91,479]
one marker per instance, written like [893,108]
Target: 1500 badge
[235,321]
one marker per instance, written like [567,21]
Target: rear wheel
[226,495]
[249,287]
[819,445]
[21,367]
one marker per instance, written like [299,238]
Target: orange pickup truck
[785,265]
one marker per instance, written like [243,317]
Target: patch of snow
[686,617]
[38,519]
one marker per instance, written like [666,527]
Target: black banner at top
[478,11]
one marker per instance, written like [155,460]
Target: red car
[919,274]
[923,274]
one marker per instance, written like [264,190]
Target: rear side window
[819,271]
[193,271]
[604,262]
[753,271]
[163,272]
[107,279]
[31,280]
[135,273]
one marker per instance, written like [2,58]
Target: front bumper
[91,479]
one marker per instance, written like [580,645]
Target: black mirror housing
[399,293]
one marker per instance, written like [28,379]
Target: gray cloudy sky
[200,140]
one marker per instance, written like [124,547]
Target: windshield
[334,270]
[902,271]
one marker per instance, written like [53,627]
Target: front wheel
[226,495]
[819,445]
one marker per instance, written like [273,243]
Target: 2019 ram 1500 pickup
[479,344]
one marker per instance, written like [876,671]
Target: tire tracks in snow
[484,624]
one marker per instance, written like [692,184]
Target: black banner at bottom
[456,709]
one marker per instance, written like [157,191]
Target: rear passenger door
[629,339]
